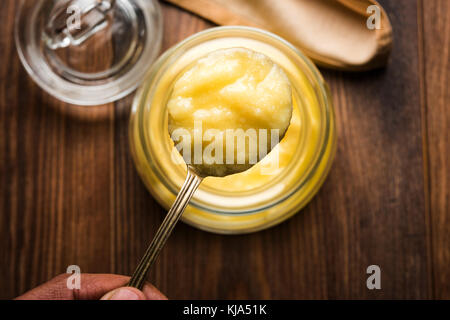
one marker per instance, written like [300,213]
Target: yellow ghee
[226,106]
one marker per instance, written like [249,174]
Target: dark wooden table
[69,193]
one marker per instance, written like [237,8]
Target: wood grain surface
[69,193]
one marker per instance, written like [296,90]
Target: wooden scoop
[333,33]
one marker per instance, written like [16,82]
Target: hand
[93,287]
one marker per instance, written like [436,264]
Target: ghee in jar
[254,199]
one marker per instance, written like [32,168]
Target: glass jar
[252,200]
[88,52]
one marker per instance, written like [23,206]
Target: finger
[152,293]
[125,293]
[93,287]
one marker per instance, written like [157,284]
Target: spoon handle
[187,191]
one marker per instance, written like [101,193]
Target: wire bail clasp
[72,22]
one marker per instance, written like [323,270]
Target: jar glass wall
[264,195]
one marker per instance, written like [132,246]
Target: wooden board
[69,193]
[434,25]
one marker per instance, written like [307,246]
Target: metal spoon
[191,184]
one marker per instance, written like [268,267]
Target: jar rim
[324,101]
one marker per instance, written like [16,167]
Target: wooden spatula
[333,33]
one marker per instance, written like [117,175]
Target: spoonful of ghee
[226,112]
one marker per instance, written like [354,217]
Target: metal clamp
[72,22]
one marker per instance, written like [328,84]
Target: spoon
[188,189]
[271,91]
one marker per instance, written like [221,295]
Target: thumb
[124,293]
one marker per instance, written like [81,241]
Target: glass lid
[88,52]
